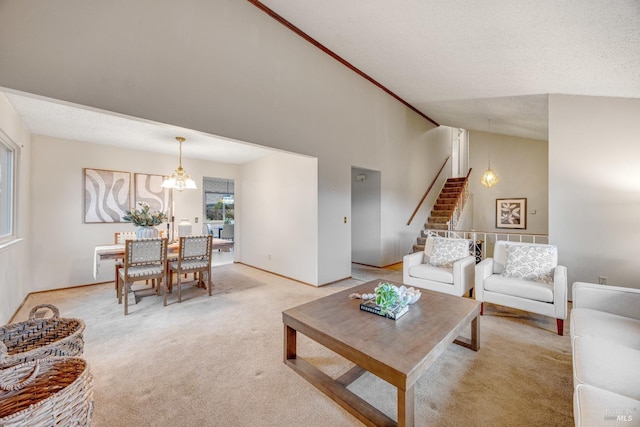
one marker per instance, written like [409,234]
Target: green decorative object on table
[388,300]
[145,219]
[386,296]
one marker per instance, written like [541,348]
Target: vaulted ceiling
[468,64]
[461,62]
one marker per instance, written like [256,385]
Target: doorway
[218,201]
[366,216]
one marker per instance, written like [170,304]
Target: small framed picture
[511,213]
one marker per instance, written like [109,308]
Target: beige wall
[226,68]
[14,258]
[594,182]
[279,215]
[522,166]
[61,244]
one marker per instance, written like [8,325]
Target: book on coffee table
[395,312]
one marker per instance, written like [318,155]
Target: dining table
[116,252]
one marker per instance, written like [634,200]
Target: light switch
[345,219]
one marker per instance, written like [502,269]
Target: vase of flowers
[145,220]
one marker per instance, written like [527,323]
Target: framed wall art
[511,213]
[149,189]
[107,195]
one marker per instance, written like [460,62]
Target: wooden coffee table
[398,351]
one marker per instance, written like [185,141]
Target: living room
[266,85]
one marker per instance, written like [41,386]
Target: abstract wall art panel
[148,188]
[107,195]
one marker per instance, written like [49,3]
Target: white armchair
[457,279]
[525,276]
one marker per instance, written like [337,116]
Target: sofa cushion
[519,288]
[594,406]
[607,365]
[428,246]
[529,262]
[599,324]
[446,251]
[429,272]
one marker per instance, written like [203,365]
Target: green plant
[386,296]
[143,217]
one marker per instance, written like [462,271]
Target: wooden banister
[415,211]
[466,180]
[461,200]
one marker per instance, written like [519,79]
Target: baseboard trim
[376,266]
[335,281]
[24,300]
[276,274]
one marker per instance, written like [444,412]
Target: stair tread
[437,219]
[442,209]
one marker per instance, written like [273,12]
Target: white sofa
[548,299]
[457,280]
[605,339]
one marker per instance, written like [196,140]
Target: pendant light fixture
[489,177]
[179,179]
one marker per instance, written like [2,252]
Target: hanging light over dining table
[180,179]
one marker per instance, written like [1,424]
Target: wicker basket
[40,338]
[55,391]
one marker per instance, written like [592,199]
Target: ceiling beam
[335,56]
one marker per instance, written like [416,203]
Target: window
[8,156]
[219,200]
[220,207]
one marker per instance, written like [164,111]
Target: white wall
[403,185]
[522,166]
[62,245]
[366,210]
[594,187]
[226,68]
[14,263]
[278,214]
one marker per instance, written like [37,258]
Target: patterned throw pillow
[529,263]
[446,251]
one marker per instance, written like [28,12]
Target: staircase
[443,210]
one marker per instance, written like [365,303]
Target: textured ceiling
[77,123]
[461,62]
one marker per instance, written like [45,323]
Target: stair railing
[461,201]
[415,211]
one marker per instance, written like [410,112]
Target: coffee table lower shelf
[339,392]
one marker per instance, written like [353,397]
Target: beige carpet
[217,361]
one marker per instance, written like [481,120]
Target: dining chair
[119,238]
[144,259]
[227,232]
[194,256]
